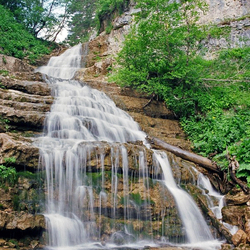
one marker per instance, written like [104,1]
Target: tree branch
[202,161]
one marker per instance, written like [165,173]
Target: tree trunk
[202,161]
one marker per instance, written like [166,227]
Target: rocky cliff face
[225,10]
[24,101]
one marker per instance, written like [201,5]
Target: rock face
[21,149]
[220,10]
[21,221]
[24,101]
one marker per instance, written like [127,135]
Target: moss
[4,72]
[15,242]
[109,28]
[27,174]
[16,202]
[218,32]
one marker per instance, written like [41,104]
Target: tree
[82,19]
[36,15]
[159,54]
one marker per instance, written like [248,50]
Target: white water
[215,200]
[64,67]
[197,231]
[79,120]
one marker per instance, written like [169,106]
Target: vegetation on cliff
[162,56]
[17,41]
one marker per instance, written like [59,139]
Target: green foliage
[136,197]
[217,32]
[4,60]
[23,44]
[82,20]
[153,59]
[222,118]
[8,175]
[215,131]
[4,122]
[109,28]
[15,242]
[242,152]
[107,9]
[27,174]
[160,57]
[35,15]
[4,72]
[16,202]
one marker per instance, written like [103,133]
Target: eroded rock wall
[24,101]
[224,10]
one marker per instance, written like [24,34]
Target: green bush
[16,41]
[8,175]
[210,97]
[215,131]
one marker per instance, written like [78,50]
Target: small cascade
[99,179]
[215,200]
[195,226]
[64,66]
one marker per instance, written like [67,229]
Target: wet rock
[25,153]
[243,247]
[17,96]
[2,242]
[239,237]
[24,110]
[11,245]
[21,221]
[96,49]
[30,87]
[34,244]
[234,215]
[247,229]
[24,183]
[237,199]
[226,247]
[5,198]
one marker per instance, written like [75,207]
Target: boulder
[234,215]
[239,237]
[13,64]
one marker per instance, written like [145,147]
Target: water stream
[215,200]
[82,132]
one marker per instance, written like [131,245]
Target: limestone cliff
[24,101]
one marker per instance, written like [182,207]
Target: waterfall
[215,200]
[84,133]
[65,66]
[195,226]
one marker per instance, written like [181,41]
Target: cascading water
[84,134]
[215,200]
[196,229]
